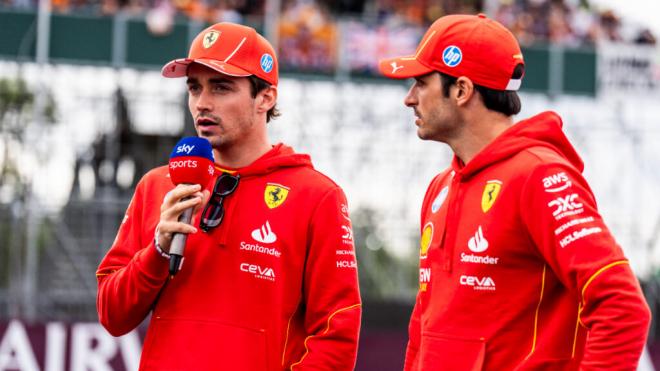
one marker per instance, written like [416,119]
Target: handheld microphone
[191,162]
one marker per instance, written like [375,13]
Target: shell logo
[425,241]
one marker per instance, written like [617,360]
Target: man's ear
[464,91]
[266,99]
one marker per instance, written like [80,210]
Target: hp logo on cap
[266,62]
[452,56]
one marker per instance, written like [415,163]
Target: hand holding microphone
[191,168]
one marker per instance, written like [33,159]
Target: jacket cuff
[157,246]
[152,264]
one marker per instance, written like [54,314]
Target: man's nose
[204,102]
[411,98]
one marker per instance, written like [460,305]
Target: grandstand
[94,115]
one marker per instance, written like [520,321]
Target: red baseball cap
[463,45]
[231,49]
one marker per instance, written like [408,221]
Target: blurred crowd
[312,31]
[203,10]
[566,22]
[379,28]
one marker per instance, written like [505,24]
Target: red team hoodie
[273,287]
[517,269]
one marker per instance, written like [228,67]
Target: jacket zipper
[449,234]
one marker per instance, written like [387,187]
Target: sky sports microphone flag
[191,162]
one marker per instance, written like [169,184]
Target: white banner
[56,346]
[628,68]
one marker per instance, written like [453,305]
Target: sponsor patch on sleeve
[557,182]
[569,203]
[566,205]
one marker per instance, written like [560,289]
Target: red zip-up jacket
[273,287]
[518,270]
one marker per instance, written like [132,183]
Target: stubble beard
[437,128]
[217,138]
[222,140]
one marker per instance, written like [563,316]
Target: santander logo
[478,243]
[264,234]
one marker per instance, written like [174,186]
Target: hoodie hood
[542,130]
[280,156]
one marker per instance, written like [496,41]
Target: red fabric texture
[518,270]
[271,288]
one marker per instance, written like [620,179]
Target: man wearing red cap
[517,269]
[269,280]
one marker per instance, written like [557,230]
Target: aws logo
[556,182]
[275,195]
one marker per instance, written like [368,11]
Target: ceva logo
[259,271]
[478,283]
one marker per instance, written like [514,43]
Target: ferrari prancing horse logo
[491,191]
[210,38]
[275,195]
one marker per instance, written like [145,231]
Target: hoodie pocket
[180,344]
[447,353]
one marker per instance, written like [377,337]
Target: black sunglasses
[213,211]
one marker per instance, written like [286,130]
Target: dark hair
[256,85]
[503,101]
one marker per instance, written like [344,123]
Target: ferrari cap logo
[210,38]
[275,195]
[491,190]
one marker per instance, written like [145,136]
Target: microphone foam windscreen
[191,161]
